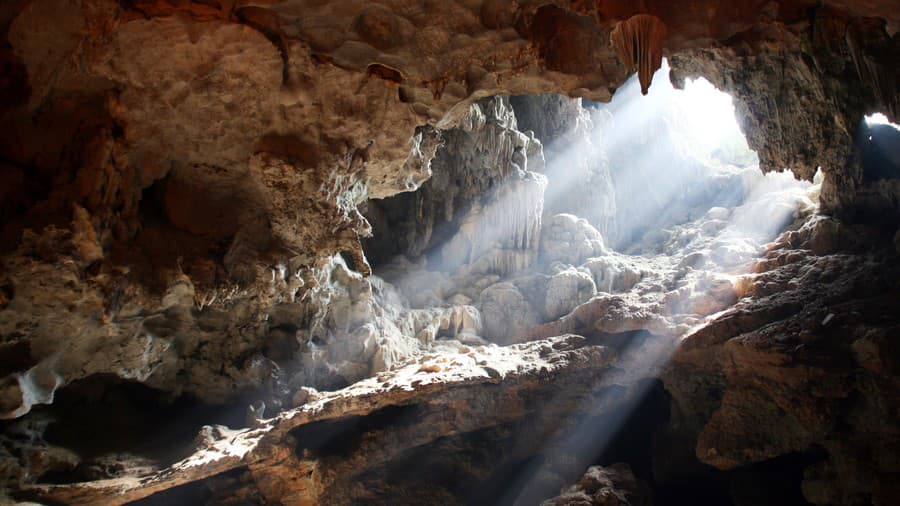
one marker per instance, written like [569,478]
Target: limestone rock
[569,239]
[272,453]
[507,314]
[566,290]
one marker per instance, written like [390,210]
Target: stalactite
[638,42]
[503,236]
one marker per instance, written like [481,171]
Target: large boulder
[507,315]
[566,290]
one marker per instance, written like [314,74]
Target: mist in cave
[647,213]
[658,187]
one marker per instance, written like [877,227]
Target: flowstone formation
[269,253]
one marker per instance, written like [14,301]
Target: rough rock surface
[613,485]
[180,192]
[296,459]
[483,205]
[803,364]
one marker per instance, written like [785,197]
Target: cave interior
[499,252]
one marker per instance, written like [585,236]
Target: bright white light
[708,112]
[879,119]
[711,109]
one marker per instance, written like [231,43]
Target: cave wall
[827,81]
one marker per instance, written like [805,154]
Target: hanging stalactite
[638,42]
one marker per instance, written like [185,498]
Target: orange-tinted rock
[638,42]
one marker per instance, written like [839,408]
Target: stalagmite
[638,42]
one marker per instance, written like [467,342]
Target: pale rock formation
[613,485]
[577,165]
[614,273]
[357,330]
[569,239]
[567,289]
[503,236]
[507,313]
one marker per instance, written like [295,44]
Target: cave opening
[542,208]
[879,143]
[538,204]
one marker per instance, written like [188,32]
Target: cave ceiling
[102,99]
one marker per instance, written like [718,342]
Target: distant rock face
[573,145]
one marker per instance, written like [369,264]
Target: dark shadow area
[623,431]
[774,482]
[340,437]
[704,487]
[620,340]
[472,468]
[388,217]
[508,463]
[193,493]
[506,480]
[633,442]
[21,188]
[879,151]
[15,356]
[226,488]
[122,427]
